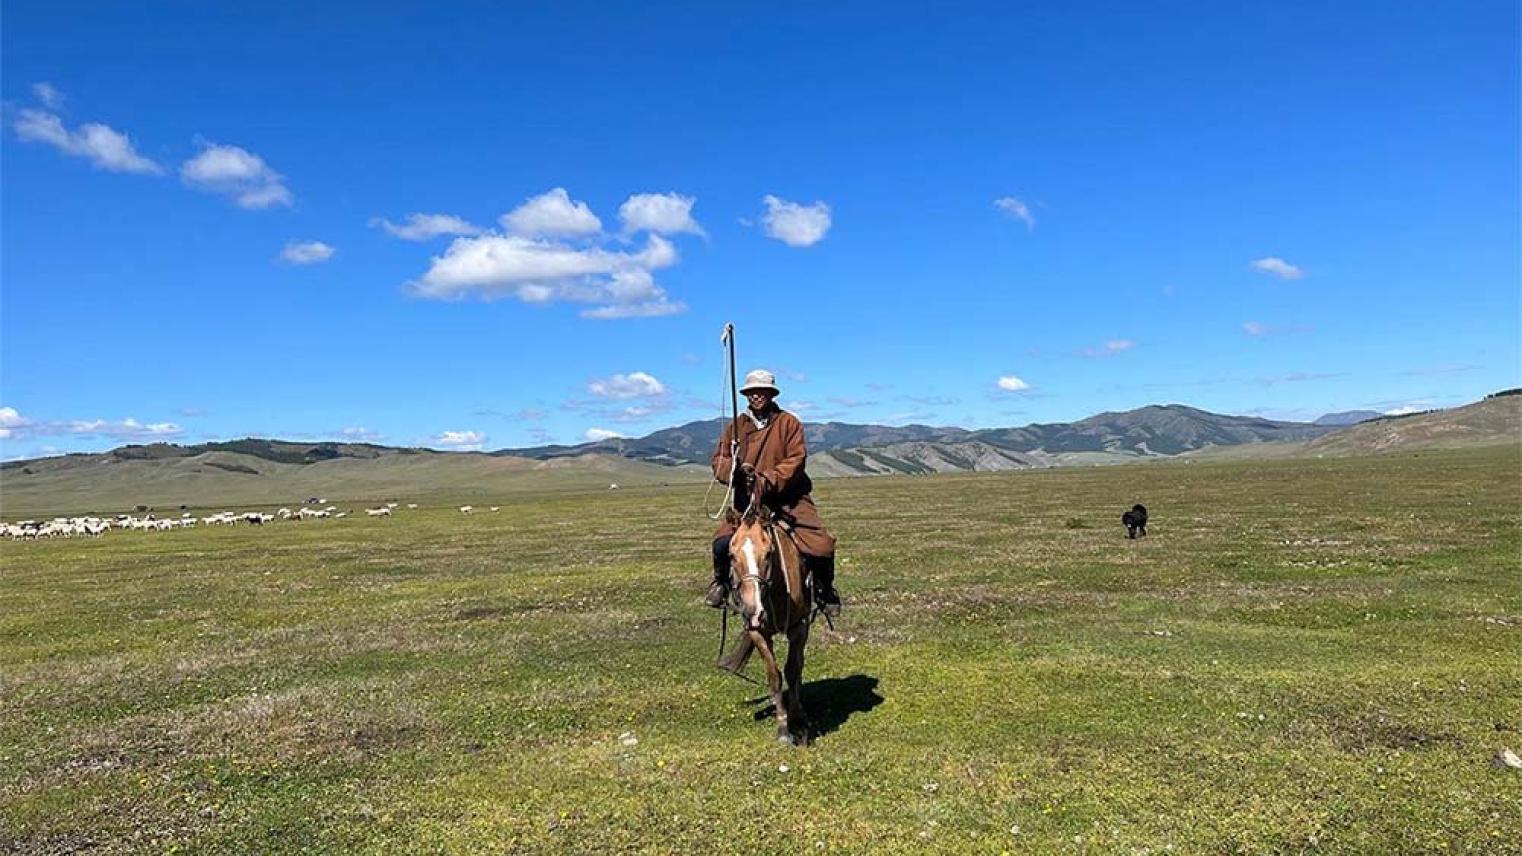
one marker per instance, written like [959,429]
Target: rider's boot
[718,592]
[823,569]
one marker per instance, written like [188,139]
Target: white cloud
[636,412]
[1016,209]
[1109,349]
[1278,267]
[10,422]
[265,196]
[127,429]
[552,250]
[306,252]
[238,173]
[1011,383]
[648,309]
[49,95]
[553,213]
[14,426]
[1256,329]
[667,213]
[360,434]
[216,164]
[459,441]
[421,227]
[105,147]
[595,434]
[794,224]
[543,271]
[631,385]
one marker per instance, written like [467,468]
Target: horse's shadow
[829,702]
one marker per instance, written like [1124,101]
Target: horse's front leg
[797,640]
[774,683]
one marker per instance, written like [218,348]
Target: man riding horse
[771,450]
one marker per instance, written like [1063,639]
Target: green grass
[1303,656]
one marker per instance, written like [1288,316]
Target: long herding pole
[734,395]
[728,338]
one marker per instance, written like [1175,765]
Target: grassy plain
[1304,656]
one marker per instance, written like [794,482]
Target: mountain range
[255,470]
[839,448]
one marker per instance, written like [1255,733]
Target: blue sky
[969,214]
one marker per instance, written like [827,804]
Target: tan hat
[760,379]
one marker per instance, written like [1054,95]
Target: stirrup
[829,602]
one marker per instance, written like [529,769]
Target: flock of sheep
[67,527]
[94,527]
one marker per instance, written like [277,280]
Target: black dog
[1136,521]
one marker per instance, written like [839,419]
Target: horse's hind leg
[774,682]
[797,640]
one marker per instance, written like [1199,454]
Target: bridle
[752,571]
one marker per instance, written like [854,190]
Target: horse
[766,572]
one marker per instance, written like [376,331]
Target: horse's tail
[736,659]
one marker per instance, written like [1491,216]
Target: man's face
[759,399]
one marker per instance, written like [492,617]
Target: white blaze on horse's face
[749,549]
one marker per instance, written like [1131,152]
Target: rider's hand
[748,469]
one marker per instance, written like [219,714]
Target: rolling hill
[1496,419]
[264,472]
[168,478]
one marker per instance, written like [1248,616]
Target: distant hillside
[164,478]
[838,448]
[281,451]
[694,442]
[1494,421]
[1348,417]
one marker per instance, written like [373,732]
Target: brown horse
[766,571]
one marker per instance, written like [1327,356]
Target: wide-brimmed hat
[760,379]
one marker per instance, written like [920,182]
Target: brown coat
[777,453]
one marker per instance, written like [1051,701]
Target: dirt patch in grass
[293,726]
[1358,734]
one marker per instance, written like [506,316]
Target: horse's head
[751,559]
